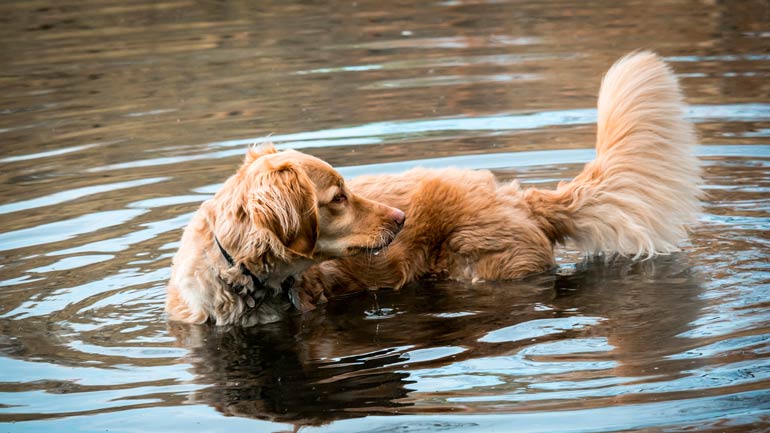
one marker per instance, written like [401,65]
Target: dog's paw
[308,292]
[238,282]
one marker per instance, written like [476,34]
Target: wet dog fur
[636,199]
[278,214]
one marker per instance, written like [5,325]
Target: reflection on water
[118,119]
[569,338]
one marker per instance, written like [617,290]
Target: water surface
[117,119]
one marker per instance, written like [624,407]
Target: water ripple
[373,133]
[73,194]
[67,229]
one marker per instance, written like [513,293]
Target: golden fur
[280,212]
[636,199]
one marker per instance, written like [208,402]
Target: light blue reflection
[21,371]
[41,402]
[539,328]
[695,411]
[162,419]
[150,231]
[376,133]
[67,229]
[61,298]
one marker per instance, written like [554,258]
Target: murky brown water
[118,118]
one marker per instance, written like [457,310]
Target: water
[117,119]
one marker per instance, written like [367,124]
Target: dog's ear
[283,201]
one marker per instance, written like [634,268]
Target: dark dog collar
[260,288]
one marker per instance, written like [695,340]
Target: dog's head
[298,205]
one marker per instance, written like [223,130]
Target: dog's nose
[398,217]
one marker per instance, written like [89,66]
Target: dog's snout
[398,217]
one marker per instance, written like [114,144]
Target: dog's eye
[339,198]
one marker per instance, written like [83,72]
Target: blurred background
[117,118]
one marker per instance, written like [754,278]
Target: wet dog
[277,215]
[635,199]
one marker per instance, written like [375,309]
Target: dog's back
[636,199]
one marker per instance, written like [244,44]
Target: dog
[277,215]
[635,199]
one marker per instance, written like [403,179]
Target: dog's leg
[438,207]
[405,260]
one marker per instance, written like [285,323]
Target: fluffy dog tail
[640,193]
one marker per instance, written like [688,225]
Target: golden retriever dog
[277,215]
[635,199]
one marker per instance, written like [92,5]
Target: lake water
[118,118]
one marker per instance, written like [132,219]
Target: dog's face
[308,208]
[349,223]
